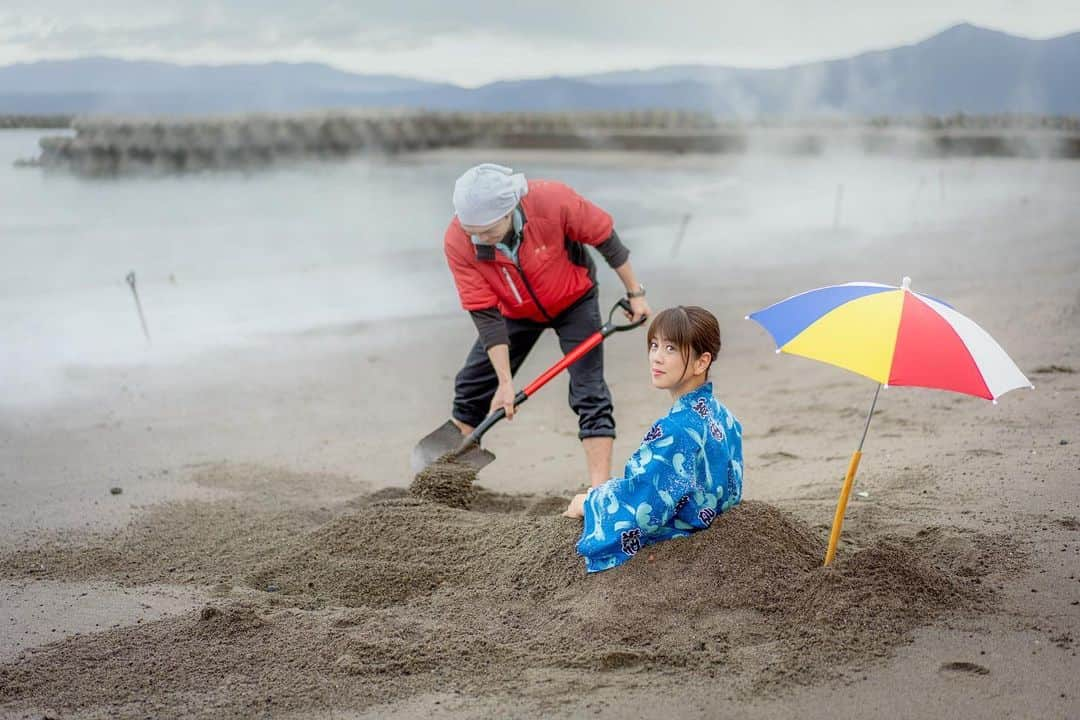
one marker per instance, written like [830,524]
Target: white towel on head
[485,193]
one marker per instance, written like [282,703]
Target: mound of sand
[412,596]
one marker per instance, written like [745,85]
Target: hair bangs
[672,325]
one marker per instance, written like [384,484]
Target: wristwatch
[640,292]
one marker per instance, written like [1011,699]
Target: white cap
[485,193]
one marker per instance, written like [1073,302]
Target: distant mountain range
[963,69]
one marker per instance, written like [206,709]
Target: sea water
[228,257]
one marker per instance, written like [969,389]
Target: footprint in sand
[786,430]
[1053,370]
[778,456]
[1069,523]
[983,452]
[964,667]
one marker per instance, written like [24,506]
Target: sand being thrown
[447,482]
[395,595]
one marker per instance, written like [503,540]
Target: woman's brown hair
[690,328]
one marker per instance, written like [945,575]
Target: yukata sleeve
[625,514]
[735,465]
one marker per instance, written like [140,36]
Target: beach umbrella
[895,336]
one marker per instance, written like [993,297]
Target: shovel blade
[443,440]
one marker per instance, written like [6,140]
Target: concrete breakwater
[103,145]
[12,122]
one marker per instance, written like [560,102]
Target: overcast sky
[471,43]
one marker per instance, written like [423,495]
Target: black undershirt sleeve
[614,252]
[491,327]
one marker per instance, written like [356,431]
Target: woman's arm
[576,508]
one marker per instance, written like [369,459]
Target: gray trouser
[590,397]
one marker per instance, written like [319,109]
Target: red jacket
[554,216]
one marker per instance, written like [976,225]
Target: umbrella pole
[849,480]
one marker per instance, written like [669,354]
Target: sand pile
[451,482]
[446,482]
[394,595]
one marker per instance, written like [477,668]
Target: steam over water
[225,258]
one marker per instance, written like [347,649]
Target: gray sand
[387,596]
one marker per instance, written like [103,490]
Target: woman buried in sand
[689,466]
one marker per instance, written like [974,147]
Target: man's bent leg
[589,396]
[475,383]
[463,427]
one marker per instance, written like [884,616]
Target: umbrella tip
[907,283]
[746,317]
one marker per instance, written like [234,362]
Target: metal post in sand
[682,233]
[138,305]
[914,215]
[838,206]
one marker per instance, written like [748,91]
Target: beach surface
[228,532]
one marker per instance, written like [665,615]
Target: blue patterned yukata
[687,471]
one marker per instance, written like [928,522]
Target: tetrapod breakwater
[15,122]
[111,145]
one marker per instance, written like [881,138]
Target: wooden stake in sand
[915,200]
[679,238]
[138,305]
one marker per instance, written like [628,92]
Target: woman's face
[667,363]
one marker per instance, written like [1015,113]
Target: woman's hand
[576,508]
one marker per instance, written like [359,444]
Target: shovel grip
[473,438]
[610,326]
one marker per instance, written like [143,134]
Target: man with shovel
[517,251]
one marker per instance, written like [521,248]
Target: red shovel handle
[586,345]
[568,359]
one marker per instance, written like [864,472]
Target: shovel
[446,443]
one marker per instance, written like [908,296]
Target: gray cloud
[430,37]
[203,25]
